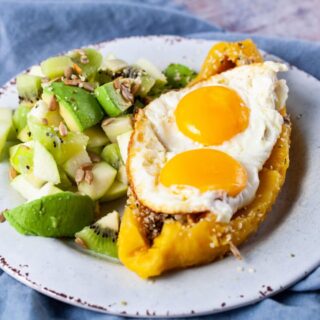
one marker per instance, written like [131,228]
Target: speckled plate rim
[19,274]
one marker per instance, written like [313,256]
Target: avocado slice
[79,109]
[58,215]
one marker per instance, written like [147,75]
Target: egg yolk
[205,169]
[211,115]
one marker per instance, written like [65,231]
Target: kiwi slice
[101,237]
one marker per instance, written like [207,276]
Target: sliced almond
[44,121]
[88,86]
[86,166]
[235,251]
[2,217]
[68,72]
[107,121]
[81,243]
[53,104]
[72,82]
[63,129]
[88,176]
[80,173]
[12,173]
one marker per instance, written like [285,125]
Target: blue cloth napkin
[33,30]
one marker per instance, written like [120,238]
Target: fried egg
[200,149]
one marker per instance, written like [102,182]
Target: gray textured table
[289,18]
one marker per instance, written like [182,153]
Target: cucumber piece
[97,137]
[21,157]
[114,65]
[103,177]
[111,100]
[29,87]
[44,165]
[113,127]
[5,125]
[111,155]
[122,174]
[36,182]
[79,109]
[20,116]
[179,75]
[22,185]
[152,70]
[123,142]
[25,134]
[117,190]
[71,166]
[92,59]
[54,67]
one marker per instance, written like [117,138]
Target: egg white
[156,139]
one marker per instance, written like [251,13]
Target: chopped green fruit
[65,183]
[113,127]
[47,136]
[5,125]
[25,134]
[102,77]
[114,65]
[79,109]
[111,155]
[89,61]
[36,182]
[46,190]
[103,176]
[21,157]
[101,237]
[116,191]
[42,112]
[97,137]
[29,87]
[44,165]
[123,142]
[22,185]
[72,165]
[146,84]
[36,71]
[20,116]
[96,150]
[152,70]
[122,175]
[178,75]
[58,215]
[111,100]
[54,67]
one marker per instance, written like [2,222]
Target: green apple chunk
[79,109]
[123,142]
[152,70]
[103,176]
[117,190]
[54,67]
[73,164]
[113,127]
[97,137]
[44,165]
[58,215]
[20,116]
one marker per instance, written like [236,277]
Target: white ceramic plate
[285,249]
